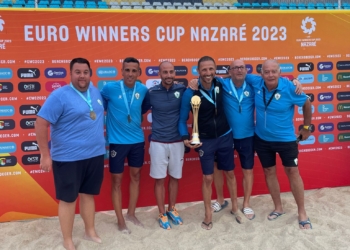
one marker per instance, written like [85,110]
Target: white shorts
[166,157]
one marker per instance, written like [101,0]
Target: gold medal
[92,115]
[129,118]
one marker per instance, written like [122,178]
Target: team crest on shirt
[99,101]
[137,95]
[296,161]
[177,94]
[277,96]
[246,93]
[217,90]
[201,153]
[113,153]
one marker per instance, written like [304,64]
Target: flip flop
[305,222]
[277,214]
[208,226]
[217,207]
[237,217]
[248,211]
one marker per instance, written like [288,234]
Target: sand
[328,209]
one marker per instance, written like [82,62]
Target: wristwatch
[308,127]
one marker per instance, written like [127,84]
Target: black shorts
[245,149]
[83,176]
[266,150]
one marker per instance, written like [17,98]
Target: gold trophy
[195,103]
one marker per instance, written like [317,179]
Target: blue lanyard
[125,99]
[87,100]
[236,95]
[208,97]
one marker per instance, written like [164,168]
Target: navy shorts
[218,149]
[118,152]
[72,178]
[245,150]
[266,150]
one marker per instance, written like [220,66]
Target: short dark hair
[205,58]
[78,60]
[131,60]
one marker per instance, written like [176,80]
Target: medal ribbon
[87,100]
[124,96]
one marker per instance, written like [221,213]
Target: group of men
[75,114]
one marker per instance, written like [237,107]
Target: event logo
[29,87]
[29,109]
[305,67]
[258,68]
[343,65]
[308,25]
[326,138]
[306,78]
[53,85]
[6,87]
[31,159]
[194,70]
[28,73]
[312,127]
[308,141]
[152,71]
[343,77]
[28,123]
[222,69]
[249,68]
[324,66]
[343,96]
[55,72]
[287,67]
[326,127]
[343,125]
[325,97]
[8,161]
[152,82]
[328,77]
[7,147]
[343,107]
[180,70]
[2,23]
[344,137]
[106,72]
[5,73]
[325,108]
[7,110]
[311,97]
[7,124]
[28,146]
[182,81]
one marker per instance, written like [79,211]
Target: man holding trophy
[212,135]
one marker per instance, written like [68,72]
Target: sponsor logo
[325,97]
[55,72]
[343,126]
[28,73]
[7,147]
[343,96]
[31,159]
[194,70]
[308,141]
[222,69]
[28,123]
[287,67]
[107,72]
[7,110]
[8,161]
[308,25]
[180,70]
[312,127]
[6,87]
[258,68]
[343,65]
[53,85]
[2,23]
[325,77]
[27,146]
[29,87]
[343,77]
[152,71]
[326,127]
[343,107]
[324,66]
[249,68]
[152,82]
[182,81]
[325,108]
[311,97]
[344,137]
[101,84]
[300,110]
[305,67]
[5,73]
[29,109]
[326,138]
[306,78]
[7,124]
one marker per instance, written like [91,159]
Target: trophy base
[195,139]
[195,142]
